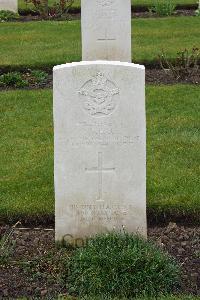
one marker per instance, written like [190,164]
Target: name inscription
[100,133]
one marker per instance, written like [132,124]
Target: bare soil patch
[35,266]
[134,14]
[178,12]
[159,76]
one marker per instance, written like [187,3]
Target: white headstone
[106,30]
[11,5]
[100,148]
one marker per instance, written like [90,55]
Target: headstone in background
[11,5]
[100,148]
[106,30]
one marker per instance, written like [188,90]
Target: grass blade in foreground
[120,264]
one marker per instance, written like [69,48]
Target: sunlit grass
[42,44]
[26,148]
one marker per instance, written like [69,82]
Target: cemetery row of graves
[29,5]
[114,266]
[27,10]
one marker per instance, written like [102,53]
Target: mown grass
[26,164]
[22,4]
[172,148]
[40,44]
[26,153]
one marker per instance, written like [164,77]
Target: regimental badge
[99,95]
[105,2]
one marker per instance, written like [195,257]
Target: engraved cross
[100,169]
[105,40]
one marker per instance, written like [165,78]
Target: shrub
[197,12]
[163,8]
[39,77]
[13,79]
[6,15]
[184,65]
[21,80]
[40,5]
[120,264]
[59,9]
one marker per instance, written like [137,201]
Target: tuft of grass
[163,8]
[7,245]
[39,77]
[38,44]
[22,80]
[120,265]
[26,147]
[6,15]
[13,79]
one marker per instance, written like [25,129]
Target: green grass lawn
[38,44]
[22,4]
[26,148]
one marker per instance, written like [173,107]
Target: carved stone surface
[106,30]
[99,95]
[100,151]
[11,5]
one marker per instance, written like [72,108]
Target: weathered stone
[106,30]
[11,5]
[100,151]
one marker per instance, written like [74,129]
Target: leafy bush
[185,64]
[21,80]
[13,79]
[163,8]
[59,9]
[120,265]
[197,12]
[40,5]
[37,76]
[6,15]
